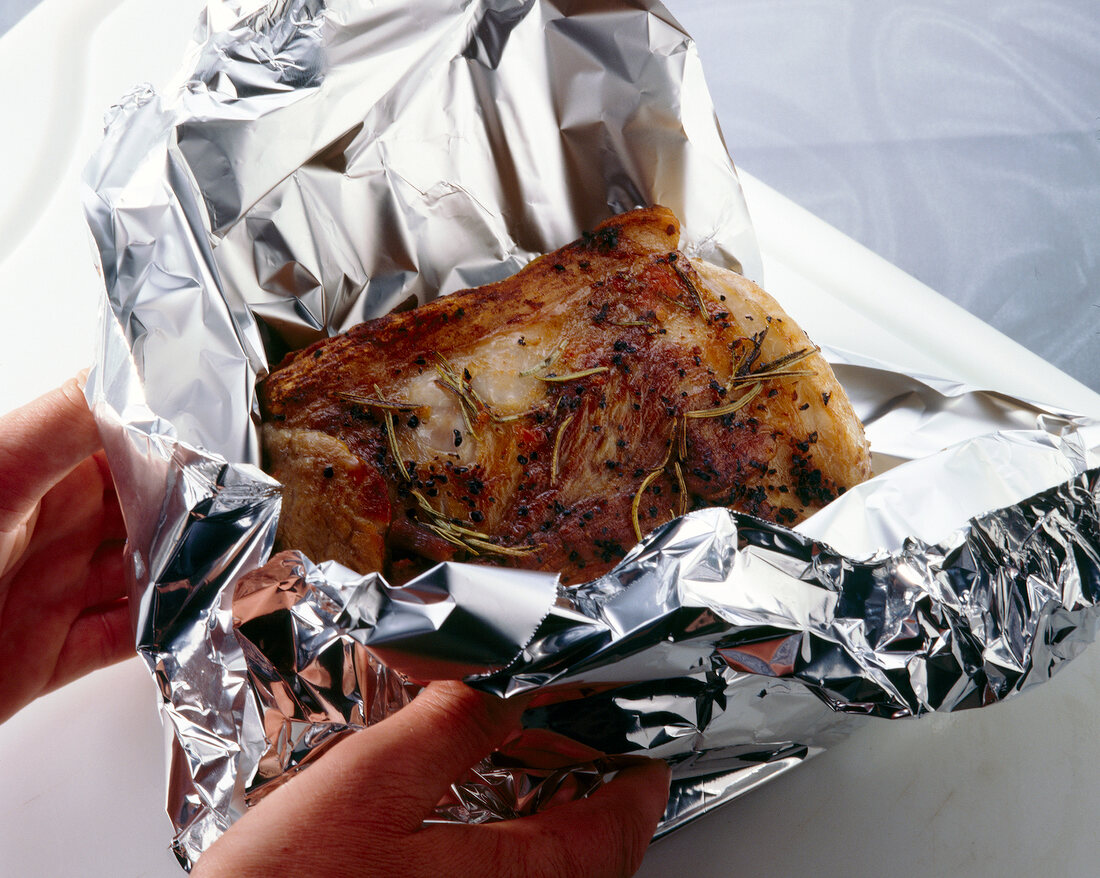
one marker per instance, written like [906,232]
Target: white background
[959,140]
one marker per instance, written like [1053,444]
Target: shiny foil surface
[320,163]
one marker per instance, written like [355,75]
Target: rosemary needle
[557,448]
[638,499]
[573,376]
[683,488]
[392,437]
[786,360]
[548,362]
[694,290]
[394,405]
[450,537]
[513,551]
[728,409]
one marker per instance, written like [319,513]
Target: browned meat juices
[550,420]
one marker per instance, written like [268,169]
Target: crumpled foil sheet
[320,163]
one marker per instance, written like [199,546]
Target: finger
[401,767]
[39,444]
[98,638]
[79,499]
[411,758]
[361,800]
[105,579]
[602,836]
[54,575]
[49,632]
[113,521]
[541,748]
[76,514]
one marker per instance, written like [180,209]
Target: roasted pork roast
[551,420]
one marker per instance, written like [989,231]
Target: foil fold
[322,162]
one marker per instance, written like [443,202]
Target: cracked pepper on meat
[552,419]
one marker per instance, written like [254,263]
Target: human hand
[62,607]
[358,811]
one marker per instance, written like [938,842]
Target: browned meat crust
[548,420]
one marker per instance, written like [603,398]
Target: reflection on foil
[721,644]
[320,163]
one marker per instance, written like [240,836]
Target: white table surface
[1005,791]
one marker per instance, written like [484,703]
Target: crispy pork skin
[550,420]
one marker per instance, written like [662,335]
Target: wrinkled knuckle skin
[562,857]
[464,713]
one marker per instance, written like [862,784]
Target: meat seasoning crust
[551,420]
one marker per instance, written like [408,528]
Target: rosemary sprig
[683,488]
[743,371]
[557,448]
[788,360]
[548,362]
[778,368]
[573,376]
[504,419]
[393,405]
[686,280]
[729,408]
[673,301]
[654,473]
[449,376]
[792,373]
[464,537]
[744,363]
[390,409]
[450,537]
[638,499]
[391,435]
[672,443]
[427,507]
[469,403]
[512,551]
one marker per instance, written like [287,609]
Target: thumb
[358,801]
[422,749]
[602,836]
[403,765]
[41,443]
